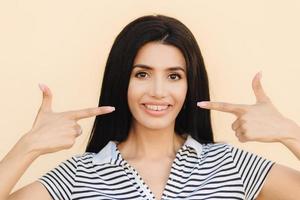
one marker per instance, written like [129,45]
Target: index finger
[236,109]
[89,112]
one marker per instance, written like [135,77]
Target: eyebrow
[151,68]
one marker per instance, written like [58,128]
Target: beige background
[65,44]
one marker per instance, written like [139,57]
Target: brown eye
[175,76]
[141,75]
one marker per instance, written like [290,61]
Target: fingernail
[260,75]
[202,104]
[109,108]
[42,87]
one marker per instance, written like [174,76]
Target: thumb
[47,98]
[258,89]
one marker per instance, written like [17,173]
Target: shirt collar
[191,142]
[109,153]
[106,154]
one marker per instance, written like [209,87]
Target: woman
[155,143]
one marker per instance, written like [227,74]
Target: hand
[53,131]
[259,122]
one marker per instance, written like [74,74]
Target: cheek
[135,91]
[179,93]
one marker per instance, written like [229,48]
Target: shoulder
[216,149]
[84,158]
[228,153]
[225,148]
[228,150]
[74,162]
[80,161]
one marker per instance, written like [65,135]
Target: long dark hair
[191,119]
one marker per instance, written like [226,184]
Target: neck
[152,144]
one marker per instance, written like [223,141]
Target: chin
[155,125]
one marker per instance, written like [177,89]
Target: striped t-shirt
[199,171]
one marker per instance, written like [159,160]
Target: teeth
[156,108]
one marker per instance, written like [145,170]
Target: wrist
[27,146]
[292,133]
[22,152]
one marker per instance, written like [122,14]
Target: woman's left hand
[259,122]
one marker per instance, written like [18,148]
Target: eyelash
[138,73]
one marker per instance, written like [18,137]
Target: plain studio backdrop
[65,44]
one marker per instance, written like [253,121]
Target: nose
[157,88]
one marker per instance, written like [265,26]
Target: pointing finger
[223,107]
[258,89]
[47,98]
[89,112]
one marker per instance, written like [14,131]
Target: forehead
[158,55]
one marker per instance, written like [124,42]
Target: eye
[141,75]
[175,76]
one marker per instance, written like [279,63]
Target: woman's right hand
[53,131]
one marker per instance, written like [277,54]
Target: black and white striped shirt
[199,171]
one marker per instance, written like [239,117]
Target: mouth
[156,110]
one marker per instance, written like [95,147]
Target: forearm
[292,142]
[13,166]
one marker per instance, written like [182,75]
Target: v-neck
[139,179]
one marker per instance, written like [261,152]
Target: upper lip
[157,103]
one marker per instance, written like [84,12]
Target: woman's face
[157,86]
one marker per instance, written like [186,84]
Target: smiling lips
[156,107]
[156,110]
